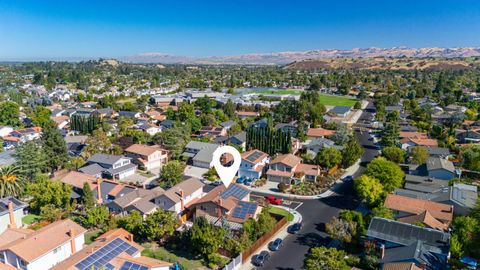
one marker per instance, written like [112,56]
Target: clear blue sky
[103,28]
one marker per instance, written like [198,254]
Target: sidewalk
[272,189]
[282,233]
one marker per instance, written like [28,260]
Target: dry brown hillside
[386,63]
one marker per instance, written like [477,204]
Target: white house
[118,167]
[5,130]
[176,198]
[148,157]
[43,249]
[253,164]
[11,213]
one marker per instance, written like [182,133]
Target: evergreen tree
[87,196]
[31,159]
[54,146]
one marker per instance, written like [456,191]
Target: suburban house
[239,139]
[462,197]
[319,133]
[411,142]
[178,197]
[253,164]
[287,169]
[227,206]
[246,114]
[227,124]
[5,130]
[75,144]
[340,111]
[43,249]
[403,242]
[314,146]
[129,114]
[61,121]
[17,137]
[212,132]
[117,167]
[147,157]
[200,153]
[151,129]
[113,250]
[11,213]
[440,168]
[104,190]
[467,136]
[140,200]
[416,211]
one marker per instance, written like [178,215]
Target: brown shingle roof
[440,211]
[287,159]
[427,219]
[37,244]
[319,132]
[188,187]
[142,149]
[261,156]
[401,266]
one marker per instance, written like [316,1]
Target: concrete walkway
[282,233]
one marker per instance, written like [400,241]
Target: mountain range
[281,58]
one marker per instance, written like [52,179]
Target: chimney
[182,200]
[12,224]
[72,240]
[382,251]
[130,237]
[99,191]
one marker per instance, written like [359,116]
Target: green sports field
[330,100]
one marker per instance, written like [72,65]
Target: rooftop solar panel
[243,209]
[103,256]
[235,191]
[133,266]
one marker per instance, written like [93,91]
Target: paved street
[316,213]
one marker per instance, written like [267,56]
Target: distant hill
[282,58]
[386,63]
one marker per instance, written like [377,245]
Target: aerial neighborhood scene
[239,135]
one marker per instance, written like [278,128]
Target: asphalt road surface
[316,213]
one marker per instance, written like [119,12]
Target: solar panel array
[243,209]
[254,156]
[133,266]
[235,191]
[104,255]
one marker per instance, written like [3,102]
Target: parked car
[216,183]
[275,244]
[261,258]
[295,228]
[241,180]
[347,179]
[273,200]
[248,182]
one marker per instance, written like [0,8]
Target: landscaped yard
[30,219]
[331,100]
[161,253]
[281,212]
[91,235]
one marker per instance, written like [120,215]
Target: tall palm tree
[11,182]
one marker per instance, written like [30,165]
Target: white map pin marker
[226,173]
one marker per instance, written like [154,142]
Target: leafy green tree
[471,158]
[45,191]
[12,181]
[132,223]
[206,238]
[388,173]
[174,139]
[158,224]
[467,231]
[383,212]
[205,104]
[31,159]
[342,230]
[185,111]
[54,146]
[229,109]
[98,142]
[96,217]
[323,258]
[357,217]
[41,116]
[391,134]
[394,154]
[9,114]
[329,157]
[88,200]
[171,173]
[420,155]
[369,188]
[351,152]
[51,213]
[75,163]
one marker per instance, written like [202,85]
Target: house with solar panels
[43,249]
[253,164]
[227,206]
[114,250]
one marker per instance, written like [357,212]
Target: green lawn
[91,235]
[336,100]
[279,92]
[30,219]
[183,258]
[281,212]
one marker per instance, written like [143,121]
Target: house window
[2,257]
[22,264]
[55,251]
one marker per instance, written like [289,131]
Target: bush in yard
[283,187]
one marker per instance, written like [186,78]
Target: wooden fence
[262,240]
